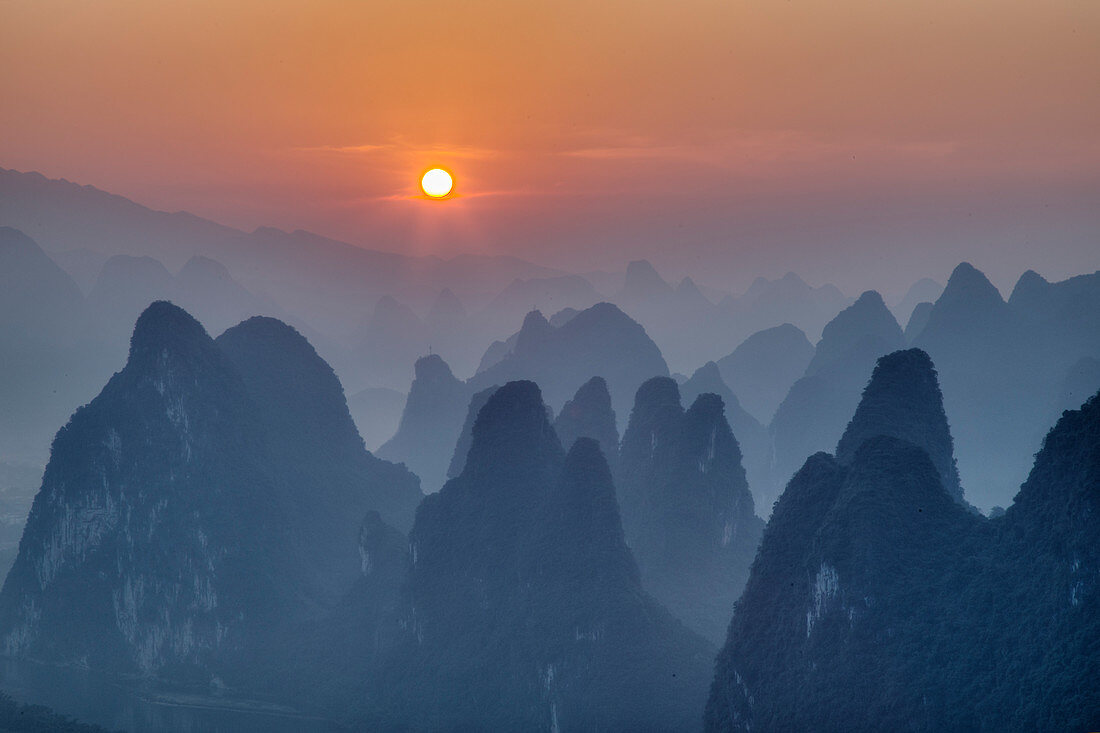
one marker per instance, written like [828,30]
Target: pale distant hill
[328,282]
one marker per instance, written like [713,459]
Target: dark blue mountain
[205,503]
[524,607]
[687,510]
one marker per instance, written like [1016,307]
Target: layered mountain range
[523,607]
[812,416]
[878,600]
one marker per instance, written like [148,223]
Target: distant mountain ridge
[1001,366]
[814,414]
[599,341]
[66,216]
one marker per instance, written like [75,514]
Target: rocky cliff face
[878,601]
[690,516]
[171,533]
[334,480]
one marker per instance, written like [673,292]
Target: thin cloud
[625,152]
[738,147]
[467,152]
[364,148]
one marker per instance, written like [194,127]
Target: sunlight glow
[436,183]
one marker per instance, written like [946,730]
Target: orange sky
[581,133]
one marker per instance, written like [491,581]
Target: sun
[436,183]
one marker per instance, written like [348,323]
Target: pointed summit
[792,280]
[762,369]
[164,330]
[649,442]
[599,340]
[522,591]
[31,282]
[533,333]
[295,388]
[861,563]
[839,564]
[1029,288]
[211,522]
[903,400]
[513,417]
[430,422]
[589,415]
[644,283]
[868,319]
[923,290]
[432,369]
[687,510]
[125,287]
[918,321]
[446,307]
[751,435]
[688,295]
[301,401]
[466,437]
[814,414]
[969,307]
[201,269]
[285,372]
[1055,483]
[708,378]
[387,341]
[969,285]
[584,507]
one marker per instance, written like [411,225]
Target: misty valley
[269,481]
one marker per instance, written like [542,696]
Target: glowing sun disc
[436,183]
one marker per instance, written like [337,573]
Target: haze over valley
[549,366]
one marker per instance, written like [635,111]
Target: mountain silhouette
[877,601]
[903,400]
[522,591]
[752,437]
[589,415]
[815,412]
[181,529]
[466,436]
[430,423]
[598,341]
[762,369]
[687,510]
[918,320]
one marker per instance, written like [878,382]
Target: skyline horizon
[854,142]
[1002,279]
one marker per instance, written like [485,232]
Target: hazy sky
[864,143]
